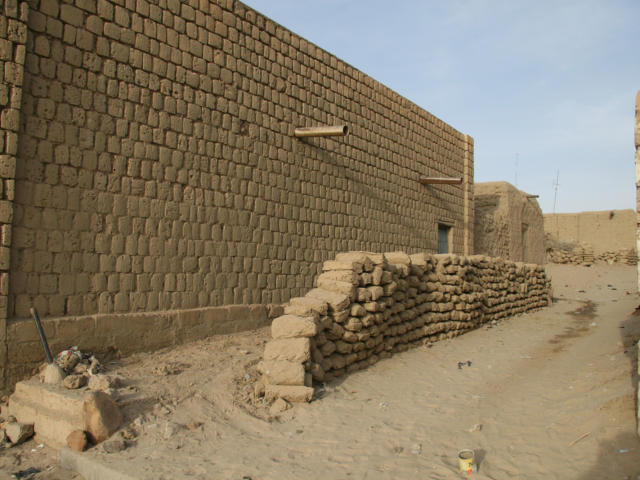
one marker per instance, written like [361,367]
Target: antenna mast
[555,188]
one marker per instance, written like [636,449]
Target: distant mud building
[508,223]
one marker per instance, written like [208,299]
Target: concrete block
[54,410]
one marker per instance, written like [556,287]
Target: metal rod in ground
[43,339]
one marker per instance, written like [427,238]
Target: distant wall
[605,231]
[508,223]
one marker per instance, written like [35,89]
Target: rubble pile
[368,306]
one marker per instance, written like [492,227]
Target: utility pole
[555,188]
[637,143]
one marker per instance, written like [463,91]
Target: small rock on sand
[77,440]
[18,432]
[279,406]
[102,417]
[73,382]
[101,382]
[114,446]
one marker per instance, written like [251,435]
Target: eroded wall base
[125,333]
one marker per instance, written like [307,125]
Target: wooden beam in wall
[338,130]
[440,180]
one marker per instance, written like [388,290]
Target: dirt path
[547,395]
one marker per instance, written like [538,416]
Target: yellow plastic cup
[466,461]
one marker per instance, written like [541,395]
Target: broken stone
[128,434]
[52,374]
[258,389]
[102,417]
[279,406]
[80,368]
[94,365]
[173,368]
[77,440]
[291,393]
[101,382]
[114,446]
[18,432]
[74,381]
[170,430]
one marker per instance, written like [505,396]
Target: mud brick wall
[508,223]
[583,255]
[368,306]
[637,213]
[156,168]
[604,231]
[13,39]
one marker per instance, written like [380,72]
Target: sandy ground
[547,395]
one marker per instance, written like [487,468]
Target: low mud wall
[127,333]
[583,255]
[368,306]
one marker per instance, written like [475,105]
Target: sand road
[548,395]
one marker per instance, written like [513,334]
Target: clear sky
[547,85]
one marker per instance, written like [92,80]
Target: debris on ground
[73,382]
[279,406]
[113,446]
[18,433]
[25,474]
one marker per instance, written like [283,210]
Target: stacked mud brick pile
[628,257]
[577,255]
[368,306]
[583,255]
